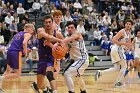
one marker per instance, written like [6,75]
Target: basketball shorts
[117,54]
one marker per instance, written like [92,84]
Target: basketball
[59,51]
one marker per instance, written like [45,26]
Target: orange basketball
[59,51]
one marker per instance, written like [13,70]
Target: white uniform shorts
[78,67]
[137,54]
[117,54]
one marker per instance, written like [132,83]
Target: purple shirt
[17,42]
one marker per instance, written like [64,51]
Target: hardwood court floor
[103,85]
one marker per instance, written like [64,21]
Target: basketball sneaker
[1,91]
[97,75]
[139,74]
[83,91]
[35,88]
[119,84]
[48,90]
[126,72]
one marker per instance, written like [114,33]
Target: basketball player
[80,56]
[121,40]
[46,60]
[57,16]
[14,54]
[136,43]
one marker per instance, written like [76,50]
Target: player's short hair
[71,23]
[29,25]
[57,13]
[48,16]
[128,20]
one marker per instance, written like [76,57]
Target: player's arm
[27,36]
[41,31]
[116,38]
[133,42]
[58,35]
[71,38]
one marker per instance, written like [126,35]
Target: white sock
[45,89]
[1,78]
[54,91]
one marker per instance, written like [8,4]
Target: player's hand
[46,43]
[129,45]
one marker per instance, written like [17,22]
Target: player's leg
[68,78]
[41,73]
[8,70]
[120,78]
[138,67]
[135,63]
[76,69]
[57,68]
[79,78]
[50,77]
[115,57]
[15,63]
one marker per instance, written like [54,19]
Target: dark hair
[47,17]
[128,20]
[71,23]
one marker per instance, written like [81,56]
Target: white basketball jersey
[58,27]
[125,38]
[137,44]
[78,50]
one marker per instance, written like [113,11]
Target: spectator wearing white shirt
[67,17]
[42,2]
[20,9]
[97,36]
[9,19]
[77,5]
[36,8]
[81,29]
[20,12]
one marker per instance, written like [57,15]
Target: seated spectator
[20,12]
[20,26]
[9,19]
[36,8]
[97,36]
[129,57]
[68,17]
[105,45]
[77,5]
[11,10]
[13,28]
[32,58]
[81,29]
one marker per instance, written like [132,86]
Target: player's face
[138,34]
[58,18]
[128,25]
[48,23]
[71,29]
[31,30]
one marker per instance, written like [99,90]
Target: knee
[50,75]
